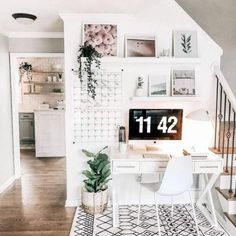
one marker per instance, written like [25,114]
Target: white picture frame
[183,83]
[140,46]
[102,36]
[158,85]
[185,44]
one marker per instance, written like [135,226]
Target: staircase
[225,145]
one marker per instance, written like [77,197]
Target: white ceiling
[48,11]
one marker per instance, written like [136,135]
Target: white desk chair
[178,178]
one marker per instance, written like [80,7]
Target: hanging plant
[92,57]
[25,69]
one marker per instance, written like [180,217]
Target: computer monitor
[155,124]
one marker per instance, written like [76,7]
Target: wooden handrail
[226,87]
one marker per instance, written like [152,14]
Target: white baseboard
[4,186]
[72,203]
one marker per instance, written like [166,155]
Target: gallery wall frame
[102,36]
[183,83]
[159,85]
[185,44]
[140,46]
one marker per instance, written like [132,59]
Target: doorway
[37,81]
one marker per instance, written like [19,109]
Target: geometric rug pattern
[182,223]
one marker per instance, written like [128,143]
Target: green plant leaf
[106,181]
[89,188]
[87,173]
[90,182]
[102,150]
[93,166]
[102,156]
[105,169]
[102,165]
[87,153]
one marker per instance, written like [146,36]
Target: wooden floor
[34,205]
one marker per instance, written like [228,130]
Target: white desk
[133,162]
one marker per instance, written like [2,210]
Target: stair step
[216,151]
[229,171]
[224,181]
[231,217]
[227,201]
[226,194]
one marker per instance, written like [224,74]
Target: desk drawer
[126,167]
[207,167]
[153,166]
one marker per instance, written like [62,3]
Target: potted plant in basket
[88,56]
[95,191]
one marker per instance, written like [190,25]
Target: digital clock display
[154,124]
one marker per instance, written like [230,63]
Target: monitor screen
[155,124]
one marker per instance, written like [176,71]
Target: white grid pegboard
[97,120]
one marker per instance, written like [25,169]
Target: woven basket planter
[94,203]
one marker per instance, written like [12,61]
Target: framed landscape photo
[183,83]
[103,37]
[158,85]
[185,44]
[140,46]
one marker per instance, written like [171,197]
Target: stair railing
[225,123]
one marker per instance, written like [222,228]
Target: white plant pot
[139,92]
[94,203]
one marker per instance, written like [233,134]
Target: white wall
[6,144]
[218,19]
[165,17]
[38,45]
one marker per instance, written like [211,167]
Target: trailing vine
[88,56]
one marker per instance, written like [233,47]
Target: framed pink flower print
[103,37]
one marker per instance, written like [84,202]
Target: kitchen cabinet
[50,133]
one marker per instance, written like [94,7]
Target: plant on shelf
[25,69]
[95,191]
[139,89]
[92,57]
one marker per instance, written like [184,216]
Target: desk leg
[207,190]
[115,201]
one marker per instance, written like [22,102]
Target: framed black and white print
[183,82]
[140,46]
[185,44]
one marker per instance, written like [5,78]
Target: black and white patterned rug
[182,223]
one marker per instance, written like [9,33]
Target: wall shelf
[47,72]
[38,82]
[50,93]
[165,99]
[153,60]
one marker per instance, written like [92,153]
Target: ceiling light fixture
[24,18]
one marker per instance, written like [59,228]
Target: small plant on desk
[95,191]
